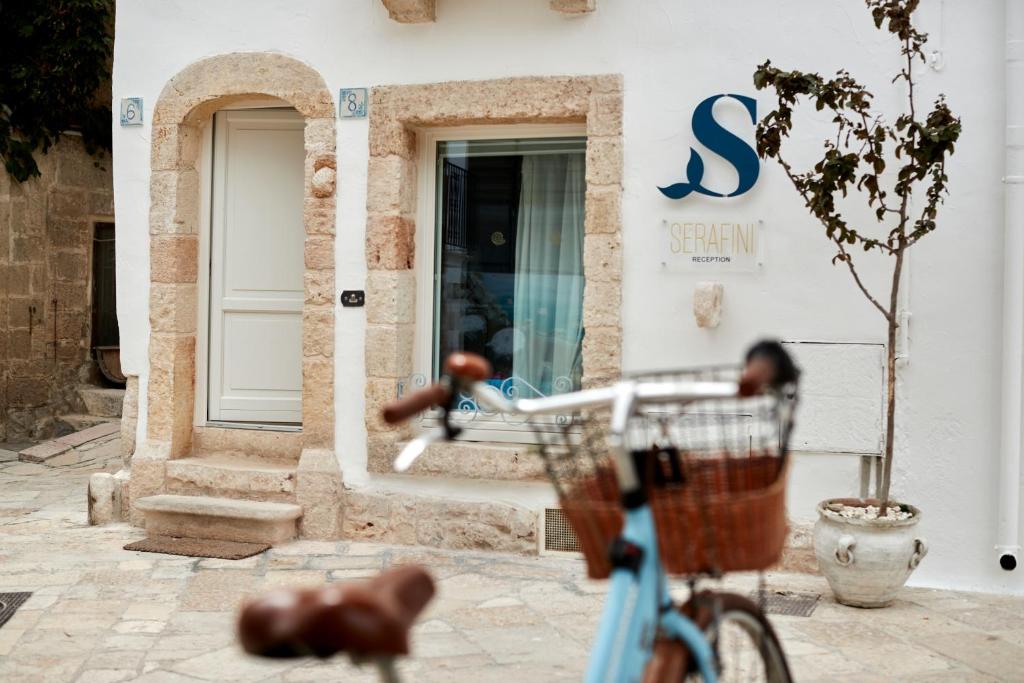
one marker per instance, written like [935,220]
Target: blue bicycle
[679,473]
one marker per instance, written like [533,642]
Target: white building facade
[289,153]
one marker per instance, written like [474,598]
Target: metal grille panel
[558,533]
[9,604]
[787,603]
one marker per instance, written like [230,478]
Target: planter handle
[844,550]
[920,550]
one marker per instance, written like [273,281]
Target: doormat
[9,604]
[786,603]
[198,547]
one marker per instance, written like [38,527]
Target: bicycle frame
[638,606]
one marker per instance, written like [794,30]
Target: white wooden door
[256,267]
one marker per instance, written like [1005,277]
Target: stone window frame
[187,102]
[396,113]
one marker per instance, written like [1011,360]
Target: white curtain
[548,308]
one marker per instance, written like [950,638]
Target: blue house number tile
[131,111]
[352,103]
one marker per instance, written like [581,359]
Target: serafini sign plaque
[695,244]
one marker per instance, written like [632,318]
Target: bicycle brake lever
[415,448]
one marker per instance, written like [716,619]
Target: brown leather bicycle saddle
[367,619]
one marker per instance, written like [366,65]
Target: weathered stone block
[379,392]
[318,332]
[319,253]
[604,161]
[172,307]
[389,350]
[68,233]
[68,202]
[164,148]
[366,515]
[174,258]
[602,257]
[319,286]
[602,303]
[101,203]
[76,168]
[320,134]
[390,296]
[602,350]
[186,202]
[319,491]
[605,115]
[71,266]
[18,280]
[317,402]
[390,242]
[388,136]
[147,475]
[318,217]
[28,392]
[391,185]
[27,248]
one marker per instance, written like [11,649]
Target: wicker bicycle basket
[714,473]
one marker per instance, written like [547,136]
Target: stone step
[100,401]
[268,444]
[54,452]
[230,475]
[69,424]
[447,513]
[219,518]
[464,460]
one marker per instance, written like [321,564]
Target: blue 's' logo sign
[723,143]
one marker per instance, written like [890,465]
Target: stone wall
[46,231]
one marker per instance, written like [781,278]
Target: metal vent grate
[787,603]
[558,534]
[9,604]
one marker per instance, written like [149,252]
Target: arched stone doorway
[187,102]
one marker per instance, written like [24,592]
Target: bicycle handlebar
[417,402]
[767,366]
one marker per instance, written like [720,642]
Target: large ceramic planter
[866,561]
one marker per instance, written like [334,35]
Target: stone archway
[188,100]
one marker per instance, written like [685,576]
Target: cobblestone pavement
[101,613]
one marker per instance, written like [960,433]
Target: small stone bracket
[707,304]
[574,6]
[411,11]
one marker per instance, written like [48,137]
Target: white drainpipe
[1007,538]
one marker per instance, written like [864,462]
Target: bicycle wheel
[743,639]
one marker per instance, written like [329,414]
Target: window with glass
[508,262]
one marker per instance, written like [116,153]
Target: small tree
[55,57]
[857,158]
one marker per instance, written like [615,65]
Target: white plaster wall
[672,55]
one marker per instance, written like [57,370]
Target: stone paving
[99,613]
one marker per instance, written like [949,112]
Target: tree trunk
[890,385]
[890,416]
